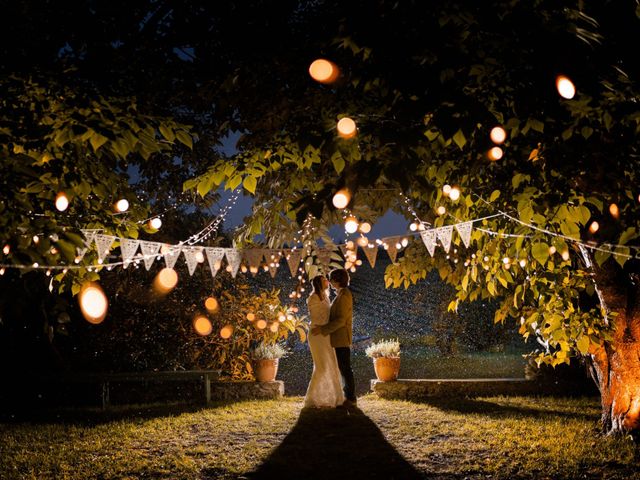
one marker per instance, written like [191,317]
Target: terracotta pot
[265,370]
[387,368]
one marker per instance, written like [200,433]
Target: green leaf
[97,141]
[601,257]
[570,229]
[583,344]
[234,181]
[540,251]
[459,139]
[338,161]
[205,185]
[250,183]
[167,133]
[628,234]
[494,195]
[184,138]
[536,125]
[622,257]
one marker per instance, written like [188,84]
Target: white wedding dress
[325,387]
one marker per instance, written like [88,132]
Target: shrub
[268,351]
[384,348]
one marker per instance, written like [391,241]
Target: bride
[325,388]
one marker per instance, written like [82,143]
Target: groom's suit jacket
[340,320]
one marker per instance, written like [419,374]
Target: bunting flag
[444,235]
[149,252]
[371,253]
[171,255]
[274,257]
[191,256]
[253,257]
[89,237]
[294,257]
[464,230]
[392,250]
[103,243]
[429,239]
[214,256]
[128,248]
[234,258]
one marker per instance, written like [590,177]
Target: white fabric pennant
[253,256]
[429,239]
[171,255]
[464,230]
[191,256]
[214,256]
[149,252]
[103,243]
[293,260]
[444,235]
[128,248]
[234,258]
[89,237]
[371,253]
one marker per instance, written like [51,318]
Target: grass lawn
[506,438]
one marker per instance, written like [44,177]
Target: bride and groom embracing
[332,383]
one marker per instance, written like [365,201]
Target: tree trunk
[616,365]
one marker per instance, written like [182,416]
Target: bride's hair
[318,289]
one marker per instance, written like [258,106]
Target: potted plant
[386,359]
[265,360]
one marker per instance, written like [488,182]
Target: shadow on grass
[335,443]
[495,410]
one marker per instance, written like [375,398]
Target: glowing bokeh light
[365,227]
[274,327]
[324,71]
[552,250]
[495,154]
[261,324]
[346,128]
[594,227]
[122,205]
[413,227]
[498,135]
[342,198]
[565,255]
[363,242]
[454,194]
[441,210]
[6,249]
[282,317]
[226,331]
[62,202]
[93,303]
[202,325]
[351,225]
[199,257]
[565,87]
[155,223]
[523,263]
[166,280]
[614,210]
[405,242]
[251,316]
[212,304]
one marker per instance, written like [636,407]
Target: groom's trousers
[343,355]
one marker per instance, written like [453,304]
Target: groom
[340,329]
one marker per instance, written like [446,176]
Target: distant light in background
[251,317]
[441,210]
[446,189]
[155,223]
[165,281]
[93,303]
[6,249]
[36,239]
[413,227]
[324,71]
[594,227]
[498,135]
[202,325]
[261,324]
[274,327]
[614,210]
[351,225]
[199,257]
[495,154]
[62,202]
[365,227]
[211,304]
[346,128]
[226,331]
[342,198]
[454,194]
[122,205]
[565,87]
[565,255]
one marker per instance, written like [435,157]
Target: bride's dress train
[325,387]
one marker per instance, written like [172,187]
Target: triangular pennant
[89,237]
[103,244]
[464,230]
[273,258]
[444,235]
[214,256]
[392,250]
[191,256]
[371,253]
[149,252]
[429,239]
[128,248]
[171,255]
[293,260]
[253,257]
[234,258]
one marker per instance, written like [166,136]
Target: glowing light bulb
[398,245]
[498,135]
[155,223]
[363,241]
[614,210]
[324,71]
[282,317]
[358,262]
[495,154]
[565,255]
[122,205]
[211,304]
[523,263]
[413,227]
[351,225]
[446,189]
[405,242]
[594,227]
[421,227]
[506,260]
[93,303]
[36,239]
[454,194]
[350,245]
[352,269]
[261,324]
[251,316]
[62,202]
[166,280]
[365,227]
[341,198]
[441,210]
[565,87]
[202,325]
[552,250]
[346,128]
[6,249]
[226,331]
